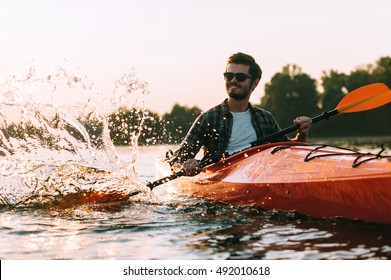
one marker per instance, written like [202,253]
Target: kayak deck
[319,181]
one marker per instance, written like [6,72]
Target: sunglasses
[240,77]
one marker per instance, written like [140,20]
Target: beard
[240,95]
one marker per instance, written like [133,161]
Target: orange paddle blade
[365,98]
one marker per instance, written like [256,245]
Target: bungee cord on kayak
[360,157]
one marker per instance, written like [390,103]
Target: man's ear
[255,84]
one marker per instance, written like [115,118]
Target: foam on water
[55,138]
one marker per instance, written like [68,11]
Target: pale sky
[180,47]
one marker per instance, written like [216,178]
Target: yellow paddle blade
[365,98]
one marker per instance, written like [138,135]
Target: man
[234,124]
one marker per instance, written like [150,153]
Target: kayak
[315,180]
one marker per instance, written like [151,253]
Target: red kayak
[314,180]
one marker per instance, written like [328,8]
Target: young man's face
[239,90]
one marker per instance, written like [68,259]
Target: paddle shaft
[166,179]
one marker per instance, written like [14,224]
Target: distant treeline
[288,94]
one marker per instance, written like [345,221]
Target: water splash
[55,146]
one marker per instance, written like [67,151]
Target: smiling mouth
[234,86]
[234,89]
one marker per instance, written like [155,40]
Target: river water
[49,166]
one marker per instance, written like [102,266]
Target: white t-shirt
[243,132]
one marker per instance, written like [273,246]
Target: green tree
[124,125]
[368,123]
[94,128]
[289,94]
[334,90]
[360,77]
[178,122]
[128,125]
[382,71]
[375,122]
[153,130]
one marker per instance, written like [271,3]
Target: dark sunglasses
[240,77]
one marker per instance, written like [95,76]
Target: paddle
[362,99]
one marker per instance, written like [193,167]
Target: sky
[180,47]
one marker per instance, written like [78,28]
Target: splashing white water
[55,137]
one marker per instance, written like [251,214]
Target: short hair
[241,58]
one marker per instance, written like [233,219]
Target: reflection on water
[66,195]
[185,229]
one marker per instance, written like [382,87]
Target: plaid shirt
[212,132]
